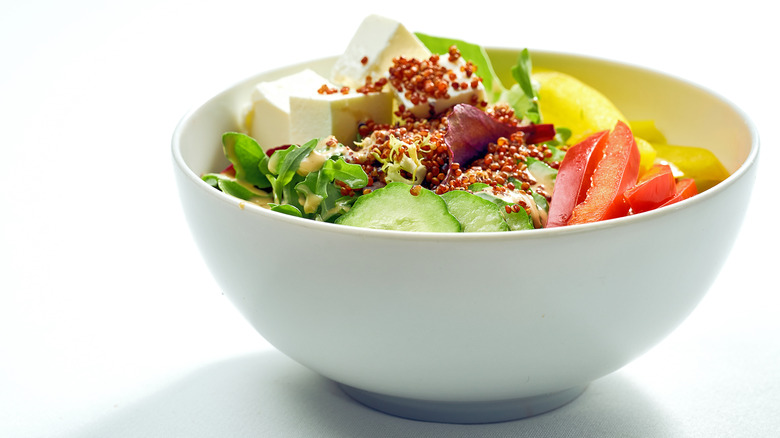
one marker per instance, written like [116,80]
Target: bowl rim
[542,233]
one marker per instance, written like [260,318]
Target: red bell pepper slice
[654,187]
[617,171]
[684,189]
[573,180]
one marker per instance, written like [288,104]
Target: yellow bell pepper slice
[565,101]
[568,102]
[693,162]
[647,154]
[647,130]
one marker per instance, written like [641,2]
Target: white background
[110,324]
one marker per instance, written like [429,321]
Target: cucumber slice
[475,214]
[393,207]
[516,221]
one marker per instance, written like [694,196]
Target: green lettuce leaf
[247,158]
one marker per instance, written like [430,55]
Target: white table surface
[110,325]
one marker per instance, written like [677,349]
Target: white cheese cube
[319,115]
[372,49]
[292,110]
[461,88]
[268,121]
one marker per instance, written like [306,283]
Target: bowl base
[464,412]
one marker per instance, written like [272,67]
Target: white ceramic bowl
[474,327]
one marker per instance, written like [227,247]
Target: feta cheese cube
[268,120]
[372,49]
[292,110]
[319,115]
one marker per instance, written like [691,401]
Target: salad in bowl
[415,132]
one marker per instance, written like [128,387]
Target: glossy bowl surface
[474,327]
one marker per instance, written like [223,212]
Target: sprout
[402,164]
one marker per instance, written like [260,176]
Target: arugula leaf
[289,195]
[523,96]
[311,194]
[290,160]
[318,193]
[286,209]
[522,74]
[231,186]
[312,190]
[334,205]
[472,52]
[285,163]
[352,175]
[247,157]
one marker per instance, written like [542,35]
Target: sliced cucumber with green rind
[394,207]
[474,213]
